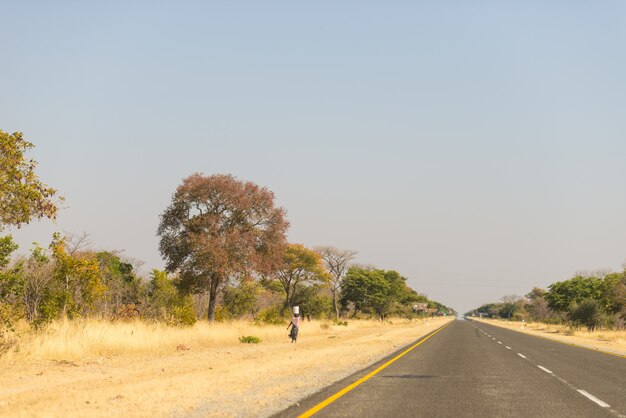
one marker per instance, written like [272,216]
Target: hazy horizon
[476,149]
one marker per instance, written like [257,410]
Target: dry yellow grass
[96,368]
[84,339]
[605,340]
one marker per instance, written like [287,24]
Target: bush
[343,324]
[221,314]
[183,314]
[250,339]
[127,312]
[6,327]
[239,301]
[586,313]
[314,303]
[269,316]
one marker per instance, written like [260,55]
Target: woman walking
[294,324]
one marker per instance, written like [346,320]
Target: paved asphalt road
[472,369]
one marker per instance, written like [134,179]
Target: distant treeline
[591,301]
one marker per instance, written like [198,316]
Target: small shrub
[342,324]
[324,325]
[269,316]
[249,339]
[221,314]
[127,312]
[6,328]
[184,314]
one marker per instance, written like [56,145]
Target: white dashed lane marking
[586,394]
[544,369]
[593,398]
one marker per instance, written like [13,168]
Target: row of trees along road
[219,229]
[226,256]
[589,300]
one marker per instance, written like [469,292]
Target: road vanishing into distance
[472,369]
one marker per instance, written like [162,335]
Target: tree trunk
[215,281]
[291,299]
[211,311]
[65,297]
[287,287]
[334,292]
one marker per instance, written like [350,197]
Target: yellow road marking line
[347,389]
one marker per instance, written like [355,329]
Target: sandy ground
[607,341]
[233,379]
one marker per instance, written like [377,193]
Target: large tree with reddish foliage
[218,228]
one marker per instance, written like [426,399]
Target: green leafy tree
[162,293]
[166,303]
[217,229]
[11,288]
[122,285]
[7,247]
[241,300]
[38,278]
[315,301]
[613,294]
[358,285]
[78,280]
[374,289]
[25,286]
[301,266]
[395,294]
[562,295]
[22,195]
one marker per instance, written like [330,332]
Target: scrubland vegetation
[64,302]
[592,301]
[226,257]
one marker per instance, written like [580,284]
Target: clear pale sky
[479,148]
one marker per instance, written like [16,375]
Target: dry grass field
[605,340]
[97,368]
